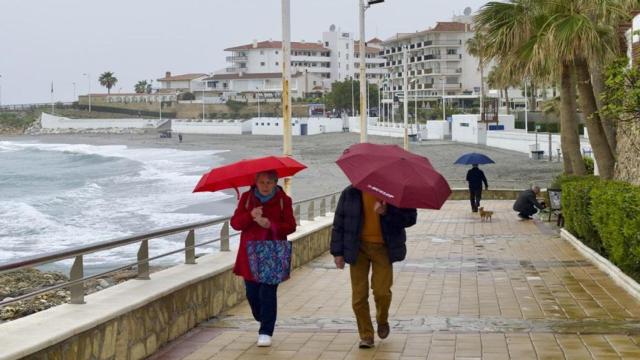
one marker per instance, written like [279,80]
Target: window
[262,63]
[326,43]
[276,124]
[268,124]
[262,124]
[261,52]
[452,51]
[276,52]
[464,124]
[346,46]
[277,63]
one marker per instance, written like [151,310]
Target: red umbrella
[243,172]
[400,178]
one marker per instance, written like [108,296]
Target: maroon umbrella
[243,172]
[398,177]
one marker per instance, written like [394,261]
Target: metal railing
[501,184]
[22,107]
[303,210]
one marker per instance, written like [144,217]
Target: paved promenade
[468,290]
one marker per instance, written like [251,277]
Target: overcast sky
[44,41]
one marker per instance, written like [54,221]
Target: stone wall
[194,111]
[491,194]
[141,330]
[628,166]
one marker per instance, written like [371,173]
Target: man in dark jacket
[369,234]
[527,203]
[476,177]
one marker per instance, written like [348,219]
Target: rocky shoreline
[24,281]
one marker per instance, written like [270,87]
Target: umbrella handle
[237,193]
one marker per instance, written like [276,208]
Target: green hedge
[576,208]
[616,215]
[605,215]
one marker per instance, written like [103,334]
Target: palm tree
[581,30]
[141,87]
[107,80]
[515,33]
[476,48]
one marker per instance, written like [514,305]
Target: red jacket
[278,210]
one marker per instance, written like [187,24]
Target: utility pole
[363,98]
[405,100]
[286,77]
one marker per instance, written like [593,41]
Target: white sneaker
[264,340]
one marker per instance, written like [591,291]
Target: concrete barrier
[133,319]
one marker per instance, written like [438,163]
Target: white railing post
[296,214]
[143,261]
[190,250]
[77,273]
[224,237]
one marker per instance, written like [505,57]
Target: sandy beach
[319,152]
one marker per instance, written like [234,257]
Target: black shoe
[524,217]
[383,331]
[474,210]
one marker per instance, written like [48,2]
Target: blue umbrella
[474,158]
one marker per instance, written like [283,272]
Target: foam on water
[62,195]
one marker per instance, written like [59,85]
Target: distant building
[438,62]
[184,82]
[320,63]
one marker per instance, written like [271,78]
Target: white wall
[437,129]
[523,142]
[382,129]
[272,126]
[509,122]
[235,127]
[465,128]
[323,125]
[57,122]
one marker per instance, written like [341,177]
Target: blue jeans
[263,300]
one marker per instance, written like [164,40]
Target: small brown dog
[485,215]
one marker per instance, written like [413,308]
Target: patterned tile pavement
[505,289]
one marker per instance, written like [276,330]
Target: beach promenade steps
[505,289]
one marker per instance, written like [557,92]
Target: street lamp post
[88,75]
[204,85]
[258,98]
[363,76]
[0,90]
[526,108]
[74,91]
[353,110]
[286,78]
[405,97]
[414,82]
[444,114]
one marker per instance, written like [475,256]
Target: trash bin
[413,137]
[537,154]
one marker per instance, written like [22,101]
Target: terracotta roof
[450,26]
[278,45]
[183,77]
[369,49]
[236,76]
[374,41]
[441,26]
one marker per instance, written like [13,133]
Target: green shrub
[616,216]
[576,208]
[589,164]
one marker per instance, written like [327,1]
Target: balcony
[237,58]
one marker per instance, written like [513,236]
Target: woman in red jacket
[264,212]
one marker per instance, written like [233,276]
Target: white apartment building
[335,58]
[438,62]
